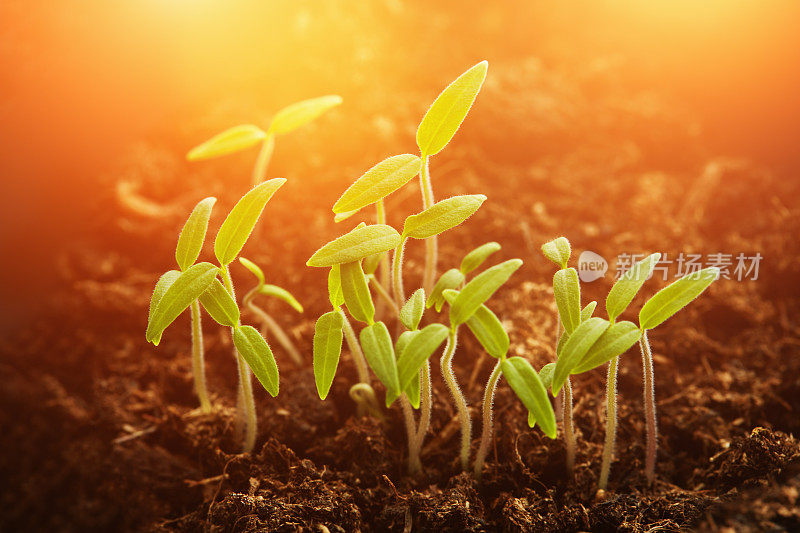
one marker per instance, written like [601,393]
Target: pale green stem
[415,443]
[458,398]
[385,273]
[275,328]
[355,349]
[414,463]
[397,273]
[383,294]
[364,396]
[611,422]
[198,364]
[649,408]
[263,159]
[431,243]
[559,399]
[486,430]
[569,427]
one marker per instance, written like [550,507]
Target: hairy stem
[364,396]
[276,330]
[397,274]
[649,408]
[262,161]
[384,278]
[379,288]
[414,462]
[611,423]
[198,364]
[569,427]
[458,397]
[431,243]
[486,429]
[424,414]
[355,349]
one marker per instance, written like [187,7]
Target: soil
[101,430]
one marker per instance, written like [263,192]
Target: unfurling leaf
[240,222]
[379,352]
[419,350]
[452,279]
[359,243]
[254,268]
[411,312]
[529,389]
[480,289]
[567,290]
[626,287]
[442,216]
[178,295]
[576,347]
[612,343]
[193,234]
[282,294]
[296,115]
[675,297]
[378,182]
[163,283]
[220,305]
[328,337]
[588,311]
[258,356]
[476,257]
[356,292]
[229,141]
[449,109]
[335,286]
[558,251]
[486,327]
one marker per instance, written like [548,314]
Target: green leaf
[588,311]
[626,287]
[558,251]
[614,341]
[328,337]
[229,141]
[219,303]
[480,289]
[378,182]
[179,295]
[339,217]
[452,279]
[576,348]
[567,290]
[403,340]
[258,356]
[378,350]
[442,216]
[163,283]
[254,268]
[419,350]
[359,243]
[675,297]
[301,113]
[476,257]
[282,294]
[546,374]
[411,312]
[562,340]
[449,109]
[335,286]
[413,390]
[372,262]
[356,292]
[240,222]
[193,234]
[525,383]
[486,327]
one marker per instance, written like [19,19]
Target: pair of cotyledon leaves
[175,291]
[455,277]
[247,135]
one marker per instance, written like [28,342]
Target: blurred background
[90,86]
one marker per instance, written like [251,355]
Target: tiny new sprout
[175,292]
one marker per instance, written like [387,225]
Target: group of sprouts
[395,340]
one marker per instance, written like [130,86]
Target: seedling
[175,292]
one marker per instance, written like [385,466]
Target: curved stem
[486,430]
[275,328]
[611,423]
[364,396]
[649,408]
[431,243]
[569,427]
[263,159]
[397,274]
[198,364]
[384,294]
[355,349]
[458,397]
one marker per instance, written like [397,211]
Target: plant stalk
[276,330]
[387,298]
[397,274]
[486,430]
[611,423]
[458,397]
[263,159]
[649,408]
[431,243]
[424,413]
[384,278]
[569,427]
[355,349]
[414,462]
[198,363]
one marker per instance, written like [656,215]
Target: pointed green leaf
[258,356]
[379,352]
[675,297]
[588,311]
[372,262]
[562,340]
[378,182]
[558,251]
[220,305]
[442,216]
[567,290]
[356,292]
[546,377]
[339,217]
[476,257]
[525,383]
[411,312]
[486,327]
[413,390]
[186,288]
[163,283]
[449,109]
[231,140]
[282,294]
[626,287]
[614,341]
[576,348]
[328,337]
[480,289]
[359,243]
[335,286]
[452,279]
[403,340]
[254,268]
[240,222]
[301,113]
[193,234]
[419,350]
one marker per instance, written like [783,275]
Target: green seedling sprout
[265,289]
[174,293]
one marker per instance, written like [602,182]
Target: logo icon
[591,266]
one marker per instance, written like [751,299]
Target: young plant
[174,293]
